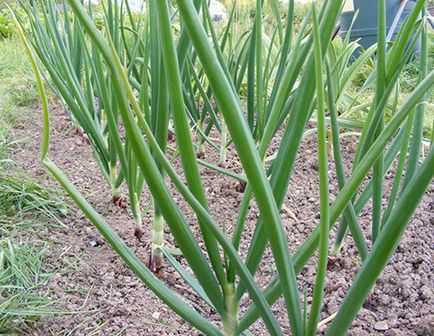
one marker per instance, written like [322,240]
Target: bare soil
[100,296]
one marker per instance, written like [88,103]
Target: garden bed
[99,295]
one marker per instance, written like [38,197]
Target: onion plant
[304,83]
[78,75]
[60,46]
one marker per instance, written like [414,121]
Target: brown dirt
[102,297]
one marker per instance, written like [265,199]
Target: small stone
[156,315]
[381,326]
[176,276]
[300,228]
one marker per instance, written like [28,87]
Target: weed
[23,197]
[22,277]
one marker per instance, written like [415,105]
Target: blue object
[366,24]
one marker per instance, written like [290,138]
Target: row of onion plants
[148,77]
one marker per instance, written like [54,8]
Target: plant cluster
[144,96]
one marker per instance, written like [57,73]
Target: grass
[23,198]
[23,275]
[24,205]
[17,87]
[18,92]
